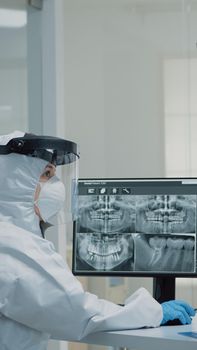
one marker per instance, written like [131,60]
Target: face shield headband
[54,150]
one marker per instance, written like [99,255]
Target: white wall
[13,79]
[114,56]
[113,91]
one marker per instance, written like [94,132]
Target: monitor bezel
[96,273]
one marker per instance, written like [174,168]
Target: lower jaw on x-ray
[103,252]
[113,234]
[169,253]
[136,252]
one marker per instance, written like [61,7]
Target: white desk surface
[161,338]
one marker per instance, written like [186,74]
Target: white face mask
[51,198]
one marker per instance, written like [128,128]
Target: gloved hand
[177,309]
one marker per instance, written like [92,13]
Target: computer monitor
[137,227]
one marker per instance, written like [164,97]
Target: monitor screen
[139,227]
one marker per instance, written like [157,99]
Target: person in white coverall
[39,297]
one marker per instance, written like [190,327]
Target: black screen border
[131,273]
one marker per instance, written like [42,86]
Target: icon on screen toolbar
[91,190]
[126,190]
[114,190]
[103,190]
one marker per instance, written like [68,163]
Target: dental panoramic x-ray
[136,226]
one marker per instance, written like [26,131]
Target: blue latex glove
[177,309]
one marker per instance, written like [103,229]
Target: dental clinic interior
[118,78]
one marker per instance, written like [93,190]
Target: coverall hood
[19,177]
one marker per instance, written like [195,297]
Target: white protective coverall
[39,296]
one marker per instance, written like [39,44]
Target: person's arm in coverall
[41,293]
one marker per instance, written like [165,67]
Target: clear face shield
[56,197]
[56,201]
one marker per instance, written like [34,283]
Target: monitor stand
[164,288]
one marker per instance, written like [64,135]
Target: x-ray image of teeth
[106,214]
[104,223]
[164,253]
[166,214]
[103,241]
[105,253]
[136,233]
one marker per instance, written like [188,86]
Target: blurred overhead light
[13,18]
